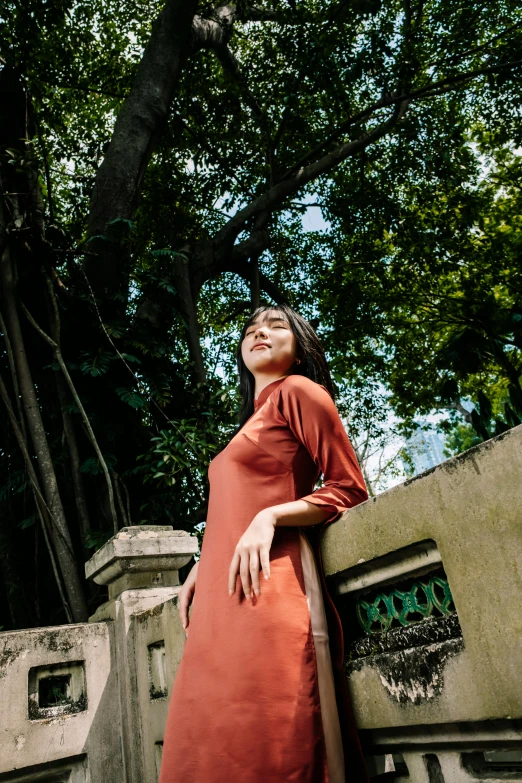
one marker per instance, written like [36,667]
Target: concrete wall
[58,688]
[87,703]
[465,516]
[149,641]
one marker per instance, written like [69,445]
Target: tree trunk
[189,311]
[74,456]
[68,428]
[254,285]
[59,530]
[16,593]
[143,114]
[41,506]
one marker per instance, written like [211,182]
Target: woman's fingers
[233,572]
[247,563]
[265,561]
[241,564]
[184,603]
[244,571]
[254,571]
[183,613]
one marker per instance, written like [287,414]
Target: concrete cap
[141,549]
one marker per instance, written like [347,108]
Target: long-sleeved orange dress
[256,698]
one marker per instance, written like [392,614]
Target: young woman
[254,698]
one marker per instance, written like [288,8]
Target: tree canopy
[157,160]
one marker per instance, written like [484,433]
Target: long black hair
[309,350]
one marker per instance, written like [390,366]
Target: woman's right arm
[186,596]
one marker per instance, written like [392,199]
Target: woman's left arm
[313,418]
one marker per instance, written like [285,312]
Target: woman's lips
[261,345]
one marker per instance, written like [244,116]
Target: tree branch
[285,188]
[298,175]
[428,91]
[231,67]
[242,268]
[214,30]
[457,57]
[143,113]
[253,246]
[78,402]
[189,309]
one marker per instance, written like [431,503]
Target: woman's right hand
[186,596]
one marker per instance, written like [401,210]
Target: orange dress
[249,701]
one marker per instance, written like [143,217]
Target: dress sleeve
[314,420]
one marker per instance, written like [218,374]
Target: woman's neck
[262,381]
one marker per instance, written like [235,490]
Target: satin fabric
[246,703]
[325,679]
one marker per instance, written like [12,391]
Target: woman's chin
[269,368]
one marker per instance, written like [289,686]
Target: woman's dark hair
[309,350]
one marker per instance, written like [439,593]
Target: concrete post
[142,556]
[140,565]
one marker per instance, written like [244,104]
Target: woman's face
[269,345]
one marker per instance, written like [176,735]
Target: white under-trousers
[329,712]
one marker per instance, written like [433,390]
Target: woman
[254,698]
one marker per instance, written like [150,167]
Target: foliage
[460,438]
[179,456]
[413,279]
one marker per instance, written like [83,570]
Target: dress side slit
[329,712]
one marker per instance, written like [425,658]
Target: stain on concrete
[7,657]
[469,456]
[420,475]
[60,710]
[421,634]
[412,676]
[154,612]
[57,641]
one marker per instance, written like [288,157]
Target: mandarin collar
[267,391]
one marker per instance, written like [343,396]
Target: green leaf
[95,364]
[28,522]
[131,397]
[93,466]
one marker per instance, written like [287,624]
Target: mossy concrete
[471,507]
[87,727]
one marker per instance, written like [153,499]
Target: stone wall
[427,579]
[434,570]
[88,703]
[58,691]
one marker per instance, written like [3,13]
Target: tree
[442,323]
[153,183]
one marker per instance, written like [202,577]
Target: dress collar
[267,391]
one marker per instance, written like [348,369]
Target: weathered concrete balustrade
[443,690]
[88,703]
[428,581]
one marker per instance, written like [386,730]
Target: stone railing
[428,582]
[88,703]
